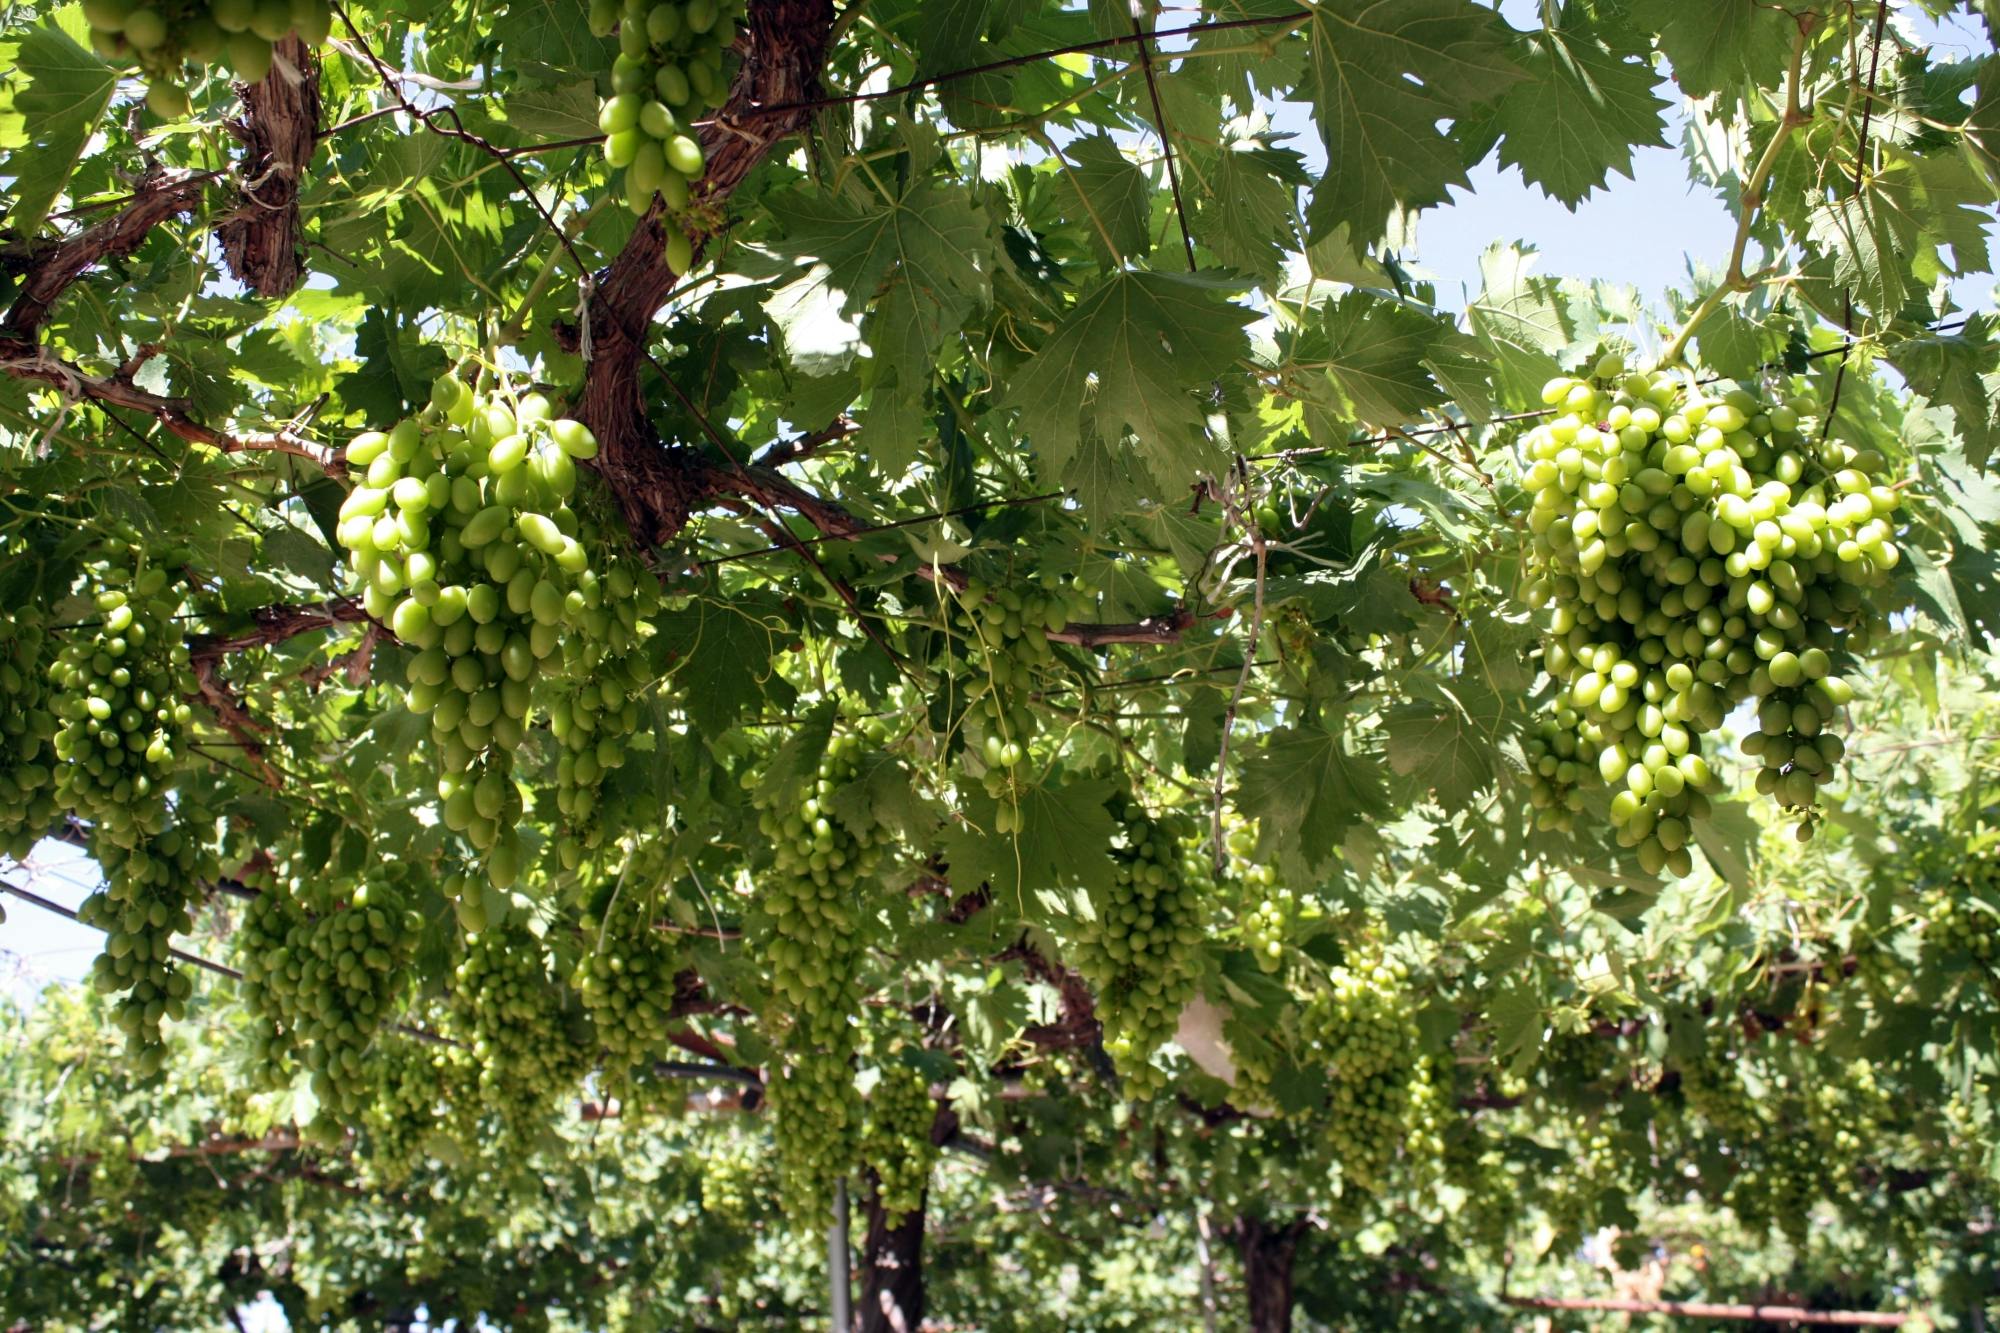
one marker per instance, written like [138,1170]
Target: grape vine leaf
[1723,836]
[1064,841]
[59,92]
[1245,206]
[797,761]
[1306,789]
[1959,369]
[1383,74]
[1981,135]
[719,654]
[1715,45]
[1375,351]
[1525,322]
[1577,116]
[1129,358]
[1113,197]
[1445,747]
[928,238]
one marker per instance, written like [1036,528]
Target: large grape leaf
[1981,134]
[1527,324]
[1959,369]
[1246,206]
[718,656]
[1715,45]
[1383,74]
[1108,197]
[59,92]
[1376,351]
[929,238]
[1064,842]
[1577,116]
[1306,789]
[1446,745]
[1129,359]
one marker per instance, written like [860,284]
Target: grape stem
[1751,199]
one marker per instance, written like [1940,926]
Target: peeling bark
[263,243]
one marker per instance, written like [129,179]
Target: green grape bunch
[1004,631]
[151,886]
[735,1181]
[626,979]
[324,983]
[669,71]
[1694,547]
[120,688]
[1962,918]
[27,732]
[593,706]
[896,1135]
[464,543]
[809,924]
[504,1002]
[420,1090]
[1363,1027]
[1269,912]
[1138,950]
[164,37]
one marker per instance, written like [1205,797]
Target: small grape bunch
[151,887]
[1004,630]
[669,71]
[164,37]
[120,686]
[896,1135]
[27,732]
[1363,1025]
[1138,950]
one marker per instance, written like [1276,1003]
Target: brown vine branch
[1165,628]
[173,413]
[51,270]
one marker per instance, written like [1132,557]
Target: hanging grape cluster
[324,979]
[1363,1028]
[422,1091]
[896,1135]
[735,1180]
[151,885]
[120,687]
[1963,917]
[593,708]
[1138,949]
[627,978]
[1694,547]
[504,1003]
[1269,912]
[1713,1089]
[118,690]
[1004,632]
[669,71]
[27,732]
[163,37]
[808,922]
[465,544]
